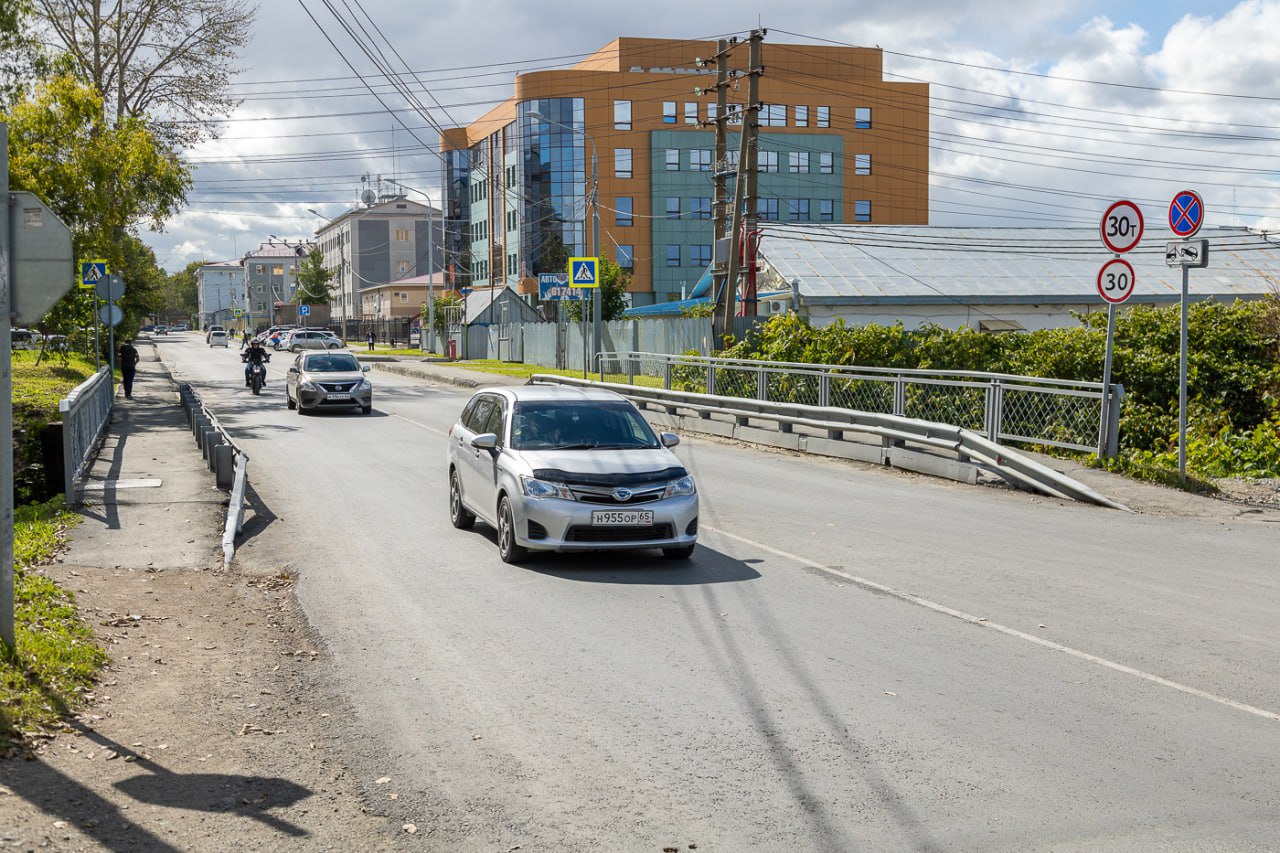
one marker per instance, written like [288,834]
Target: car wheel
[301,410]
[364,410]
[459,516]
[290,402]
[682,553]
[508,550]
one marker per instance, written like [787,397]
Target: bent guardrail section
[86,412]
[893,431]
[229,464]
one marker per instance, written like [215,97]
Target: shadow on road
[706,566]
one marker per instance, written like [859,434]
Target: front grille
[537,531]
[340,387]
[588,533]
[596,496]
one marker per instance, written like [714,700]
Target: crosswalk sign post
[585,272]
[91,272]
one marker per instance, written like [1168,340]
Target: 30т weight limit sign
[1115,281]
[1122,226]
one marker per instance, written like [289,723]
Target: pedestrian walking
[244,341]
[128,362]
[370,339]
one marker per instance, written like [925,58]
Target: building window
[622,162]
[862,164]
[404,297]
[773,115]
[826,162]
[826,210]
[700,208]
[626,256]
[700,159]
[673,159]
[713,111]
[621,115]
[402,267]
[673,254]
[798,209]
[862,210]
[824,116]
[767,209]
[700,255]
[668,112]
[257,268]
[731,157]
[768,161]
[690,112]
[673,207]
[802,116]
[862,117]
[402,234]
[622,212]
[798,162]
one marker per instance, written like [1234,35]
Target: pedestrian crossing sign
[584,272]
[91,272]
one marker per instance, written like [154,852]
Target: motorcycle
[257,372]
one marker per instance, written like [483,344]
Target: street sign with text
[1122,226]
[1115,281]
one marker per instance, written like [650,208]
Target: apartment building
[271,279]
[838,144]
[220,293]
[381,243]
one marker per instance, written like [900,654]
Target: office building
[838,144]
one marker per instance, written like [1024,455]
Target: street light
[595,223]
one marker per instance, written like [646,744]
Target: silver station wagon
[556,468]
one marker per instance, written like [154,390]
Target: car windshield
[579,425]
[332,363]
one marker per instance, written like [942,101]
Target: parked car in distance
[24,338]
[326,380]
[180,327]
[209,332]
[300,339]
[218,338]
[161,329]
[556,468]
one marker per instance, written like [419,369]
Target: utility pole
[720,204]
[6,410]
[750,206]
[748,146]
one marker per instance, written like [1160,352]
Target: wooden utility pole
[720,181]
[743,195]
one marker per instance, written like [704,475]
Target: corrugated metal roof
[899,264]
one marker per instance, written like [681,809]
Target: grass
[56,661]
[38,387]
[524,371]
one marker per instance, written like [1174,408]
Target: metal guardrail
[834,422]
[230,464]
[1002,407]
[86,411]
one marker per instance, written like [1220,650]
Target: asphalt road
[854,659]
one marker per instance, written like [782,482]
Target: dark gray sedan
[325,380]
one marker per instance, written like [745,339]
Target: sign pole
[6,407]
[1182,383]
[1104,432]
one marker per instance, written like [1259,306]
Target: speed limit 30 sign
[1121,226]
[1115,281]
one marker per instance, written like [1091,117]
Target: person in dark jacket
[128,362]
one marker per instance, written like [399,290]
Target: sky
[1040,118]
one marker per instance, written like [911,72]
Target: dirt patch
[209,730]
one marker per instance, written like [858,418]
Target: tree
[21,59]
[156,59]
[179,291]
[315,281]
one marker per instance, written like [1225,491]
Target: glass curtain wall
[457,217]
[552,186]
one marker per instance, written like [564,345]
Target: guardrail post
[666,374]
[711,379]
[989,413]
[900,396]
[997,411]
[631,367]
[762,385]
[1113,420]
[224,466]
[824,388]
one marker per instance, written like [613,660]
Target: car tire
[459,516]
[290,402]
[301,411]
[508,549]
[364,410]
[681,553]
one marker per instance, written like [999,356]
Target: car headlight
[365,385]
[307,385]
[536,488]
[680,488]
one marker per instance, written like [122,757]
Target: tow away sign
[1187,253]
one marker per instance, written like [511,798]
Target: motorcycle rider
[255,354]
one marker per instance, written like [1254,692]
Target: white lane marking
[436,430]
[1012,632]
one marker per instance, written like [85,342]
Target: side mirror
[669,439]
[485,441]
[365,368]
[293,369]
